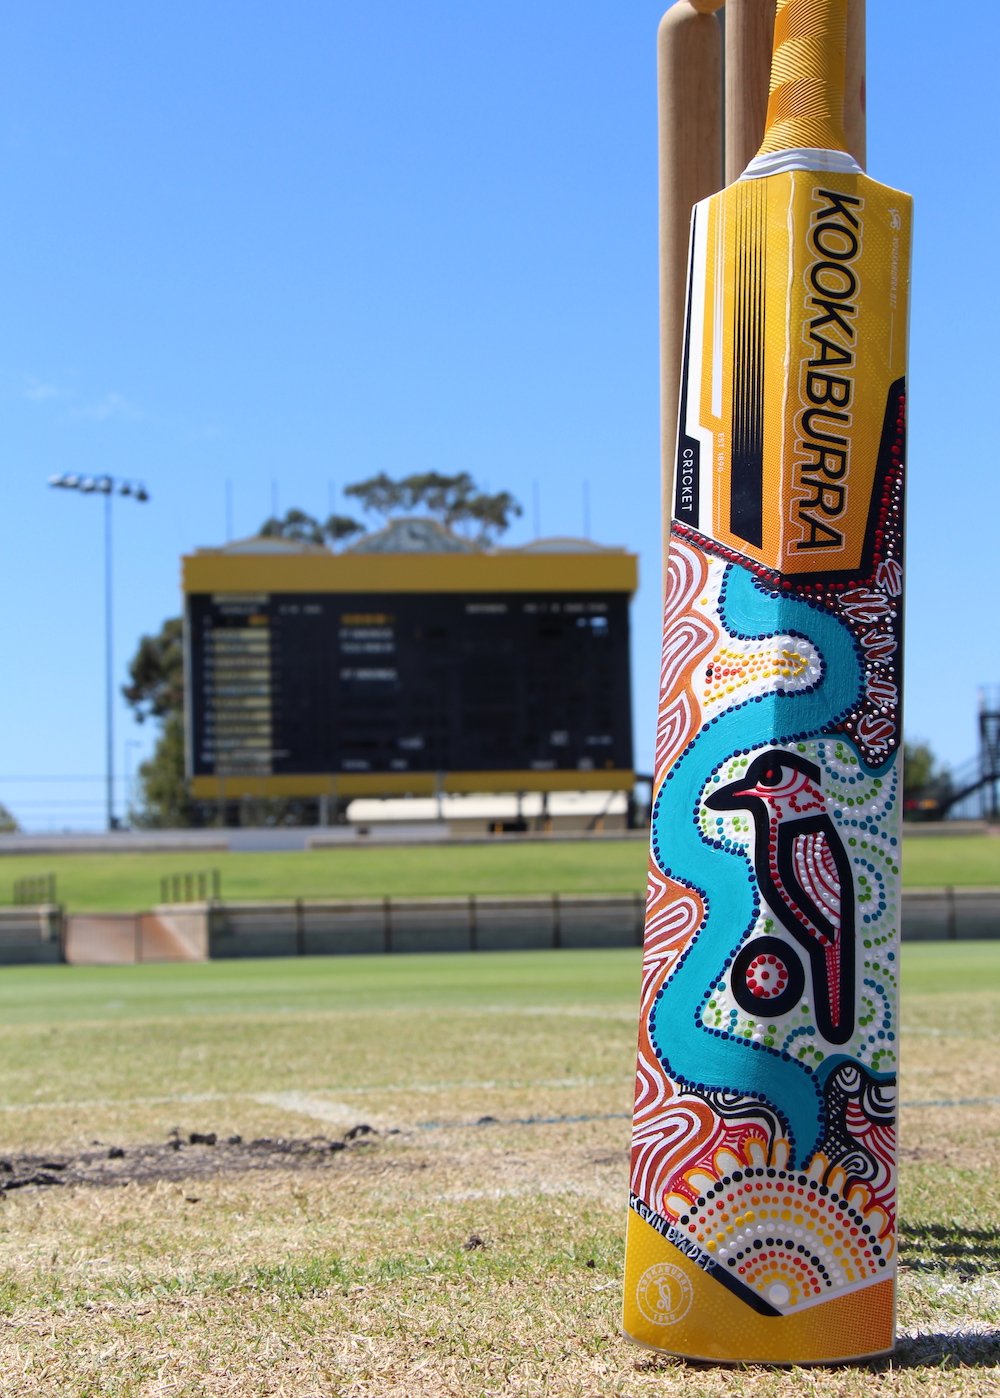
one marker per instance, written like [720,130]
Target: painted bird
[803,873]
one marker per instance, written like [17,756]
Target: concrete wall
[496,924]
[198,931]
[111,939]
[960,914]
[421,924]
[30,935]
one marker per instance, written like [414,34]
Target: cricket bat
[762,1219]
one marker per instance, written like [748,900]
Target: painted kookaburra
[804,874]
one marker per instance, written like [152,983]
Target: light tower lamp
[108,486]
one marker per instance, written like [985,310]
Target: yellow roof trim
[407,784]
[610,571]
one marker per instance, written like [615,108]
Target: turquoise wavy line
[697,1056]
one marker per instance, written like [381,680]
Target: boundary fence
[208,930]
[386,925]
[31,934]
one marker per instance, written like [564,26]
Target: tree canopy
[165,801]
[454,500]
[157,673]
[295,525]
[157,691]
[926,784]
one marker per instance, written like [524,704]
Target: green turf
[58,994]
[964,861]
[950,968]
[127,882]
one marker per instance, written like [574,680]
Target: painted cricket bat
[762,1219]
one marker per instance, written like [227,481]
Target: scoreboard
[312,673]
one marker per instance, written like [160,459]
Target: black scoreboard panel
[290,684]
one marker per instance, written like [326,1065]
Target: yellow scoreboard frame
[256,577]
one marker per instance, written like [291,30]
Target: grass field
[126,882]
[469,1244]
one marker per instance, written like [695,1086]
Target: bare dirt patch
[197,1155]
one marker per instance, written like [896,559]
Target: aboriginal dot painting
[763,1201]
[767,1072]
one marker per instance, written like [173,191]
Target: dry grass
[432,1263]
[440,1258]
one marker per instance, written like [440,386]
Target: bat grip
[805,106]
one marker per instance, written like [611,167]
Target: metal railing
[39,889]
[300,927]
[473,923]
[199,886]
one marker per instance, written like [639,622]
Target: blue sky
[288,247]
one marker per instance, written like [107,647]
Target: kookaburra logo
[804,876]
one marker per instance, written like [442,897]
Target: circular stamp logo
[664,1294]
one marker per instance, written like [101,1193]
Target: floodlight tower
[989,750]
[108,486]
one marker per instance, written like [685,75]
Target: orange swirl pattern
[879,1141]
[667,1125]
[687,636]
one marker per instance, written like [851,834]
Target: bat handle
[805,105]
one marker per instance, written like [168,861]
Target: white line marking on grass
[458,1085]
[316,1108]
[928,1032]
[601,1012]
[492,1085]
[99,1102]
[312,1102]
[954,1102]
[314,1096]
[523,1121]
